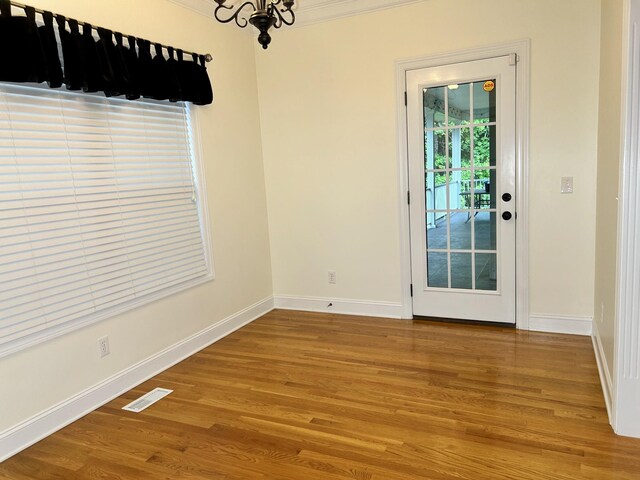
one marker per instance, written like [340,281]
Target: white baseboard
[49,421]
[339,305]
[603,370]
[561,324]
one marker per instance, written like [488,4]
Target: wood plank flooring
[316,396]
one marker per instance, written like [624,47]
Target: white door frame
[521,48]
[626,370]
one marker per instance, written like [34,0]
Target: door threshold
[480,323]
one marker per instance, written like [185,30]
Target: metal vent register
[147,400]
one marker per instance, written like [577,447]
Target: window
[99,209]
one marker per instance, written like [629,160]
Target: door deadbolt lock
[506,197]
[506,215]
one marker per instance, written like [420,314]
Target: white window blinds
[98,208]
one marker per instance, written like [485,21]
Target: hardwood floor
[316,396]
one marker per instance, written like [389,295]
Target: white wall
[40,377]
[328,109]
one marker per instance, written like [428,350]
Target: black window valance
[114,64]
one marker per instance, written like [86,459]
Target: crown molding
[315,11]
[203,7]
[311,11]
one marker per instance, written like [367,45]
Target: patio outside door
[461,134]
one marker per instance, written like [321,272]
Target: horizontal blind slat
[66,268]
[10,234]
[35,212]
[18,200]
[90,216]
[48,261]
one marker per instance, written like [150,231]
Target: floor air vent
[147,399]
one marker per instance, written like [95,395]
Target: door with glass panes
[461,143]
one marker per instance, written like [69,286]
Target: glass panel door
[460,171]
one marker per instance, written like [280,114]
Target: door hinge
[408,197]
[405,99]
[411,289]
[513,59]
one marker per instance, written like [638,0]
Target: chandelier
[264,15]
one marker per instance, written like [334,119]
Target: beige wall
[37,378]
[328,115]
[327,106]
[609,151]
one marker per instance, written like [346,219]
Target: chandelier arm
[240,21]
[280,18]
[272,11]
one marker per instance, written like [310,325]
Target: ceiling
[311,11]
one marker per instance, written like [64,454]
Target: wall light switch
[566,185]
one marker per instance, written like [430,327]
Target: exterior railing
[438,196]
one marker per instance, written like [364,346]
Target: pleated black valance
[113,64]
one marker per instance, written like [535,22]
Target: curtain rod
[207,56]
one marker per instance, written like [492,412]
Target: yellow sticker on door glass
[489,86]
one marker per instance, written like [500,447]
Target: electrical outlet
[566,185]
[332,277]
[103,346]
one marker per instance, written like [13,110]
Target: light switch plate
[566,185]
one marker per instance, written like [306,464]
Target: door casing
[522,49]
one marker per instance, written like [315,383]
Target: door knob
[507,215]
[506,197]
